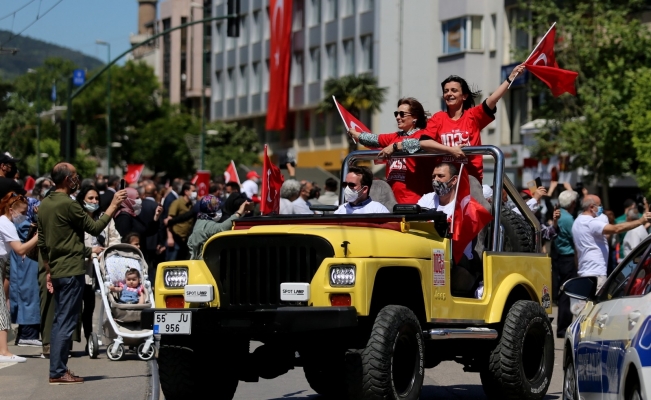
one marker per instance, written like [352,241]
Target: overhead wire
[15,11]
[31,23]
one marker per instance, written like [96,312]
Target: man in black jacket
[8,172]
[106,198]
[149,205]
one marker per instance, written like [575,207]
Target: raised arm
[492,100]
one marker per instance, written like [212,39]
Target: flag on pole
[280,43]
[349,120]
[469,217]
[133,173]
[202,181]
[272,180]
[542,63]
[29,183]
[230,175]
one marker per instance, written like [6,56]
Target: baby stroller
[122,323]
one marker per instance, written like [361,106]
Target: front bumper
[269,321]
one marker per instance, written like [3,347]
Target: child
[132,239]
[132,292]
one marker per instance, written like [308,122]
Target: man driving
[356,193]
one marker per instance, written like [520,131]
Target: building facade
[148,53]
[410,46]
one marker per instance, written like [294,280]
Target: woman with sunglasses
[14,212]
[410,178]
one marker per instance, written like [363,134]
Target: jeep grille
[250,268]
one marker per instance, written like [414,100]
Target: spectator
[358,186]
[151,242]
[88,199]
[288,193]
[590,242]
[315,193]
[41,187]
[14,212]
[132,238]
[177,235]
[232,187]
[635,236]
[61,228]
[112,185]
[8,171]
[301,204]
[612,244]
[563,259]
[129,219]
[171,195]
[250,185]
[330,196]
[629,204]
[100,183]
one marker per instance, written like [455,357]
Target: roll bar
[499,180]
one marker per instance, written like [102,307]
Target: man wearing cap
[8,172]
[250,185]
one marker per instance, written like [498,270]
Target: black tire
[392,361]
[518,234]
[570,388]
[183,375]
[521,365]
[93,346]
[324,371]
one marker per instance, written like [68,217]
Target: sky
[75,24]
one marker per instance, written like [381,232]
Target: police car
[607,351]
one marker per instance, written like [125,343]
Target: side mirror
[581,288]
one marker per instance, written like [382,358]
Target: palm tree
[355,93]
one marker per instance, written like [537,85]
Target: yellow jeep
[364,303]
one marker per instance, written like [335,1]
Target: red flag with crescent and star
[272,180]
[202,181]
[133,173]
[280,13]
[542,63]
[230,175]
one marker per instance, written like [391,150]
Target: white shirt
[249,188]
[431,202]
[591,245]
[531,203]
[8,234]
[367,206]
[286,206]
[633,238]
[301,206]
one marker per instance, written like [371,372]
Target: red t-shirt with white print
[466,130]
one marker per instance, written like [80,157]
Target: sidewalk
[104,379]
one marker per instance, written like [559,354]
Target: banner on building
[280,14]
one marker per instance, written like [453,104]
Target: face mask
[351,195]
[600,210]
[193,196]
[19,219]
[441,188]
[92,207]
[137,206]
[217,217]
[44,192]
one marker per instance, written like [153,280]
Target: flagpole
[533,51]
[342,117]
[456,192]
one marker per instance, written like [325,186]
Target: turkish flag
[542,63]
[272,180]
[469,217]
[349,120]
[133,173]
[230,175]
[29,184]
[202,181]
[280,12]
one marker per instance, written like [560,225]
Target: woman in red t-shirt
[461,124]
[410,178]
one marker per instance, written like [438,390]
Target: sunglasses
[350,184]
[401,113]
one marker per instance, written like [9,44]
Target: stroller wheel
[93,345]
[118,354]
[146,356]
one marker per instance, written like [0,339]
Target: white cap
[488,192]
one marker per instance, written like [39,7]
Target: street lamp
[38,122]
[108,108]
[194,5]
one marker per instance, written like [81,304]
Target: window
[461,34]
[265,79]
[519,38]
[267,25]
[255,78]
[243,84]
[297,24]
[315,15]
[349,57]
[348,7]
[230,83]
[641,283]
[315,64]
[367,53]
[492,40]
[218,86]
[297,68]
[219,39]
[330,10]
[365,5]
[331,50]
[255,27]
[244,32]
[619,279]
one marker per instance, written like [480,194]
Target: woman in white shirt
[14,211]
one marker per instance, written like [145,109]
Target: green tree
[86,166]
[639,114]
[231,142]
[604,41]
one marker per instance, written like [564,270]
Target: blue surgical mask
[19,219]
[92,207]
[600,211]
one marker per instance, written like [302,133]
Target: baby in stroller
[132,292]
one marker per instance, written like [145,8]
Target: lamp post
[38,123]
[108,108]
[202,156]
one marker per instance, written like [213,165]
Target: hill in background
[32,53]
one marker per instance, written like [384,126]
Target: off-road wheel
[570,391]
[518,234]
[183,375]
[521,365]
[392,361]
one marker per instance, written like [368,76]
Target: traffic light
[233,24]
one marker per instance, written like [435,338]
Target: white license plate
[172,323]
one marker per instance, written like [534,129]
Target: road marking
[5,365]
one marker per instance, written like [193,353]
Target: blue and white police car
[607,351]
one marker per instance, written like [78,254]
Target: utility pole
[108,109]
[38,122]
[68,112]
